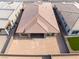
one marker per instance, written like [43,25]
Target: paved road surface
[44,0]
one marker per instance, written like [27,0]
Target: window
[37,35]
[62,18]
[64,22]
[75,32]
[50,34]
[65,25]
[68,30]
[23,34]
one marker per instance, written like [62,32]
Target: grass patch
[74,43]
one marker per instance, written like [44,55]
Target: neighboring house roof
[5,14]
[9,5]
[76,25]
[70,18]
[70,13]
[4,24]
[67,7]
[38,18]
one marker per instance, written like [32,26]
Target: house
[38,20]
[16,6]
[9,12]
[69,17]
[5,21]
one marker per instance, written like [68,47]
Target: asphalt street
[45,0]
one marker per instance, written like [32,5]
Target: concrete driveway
[46,46]
[2,41]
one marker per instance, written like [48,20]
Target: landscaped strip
[74,43]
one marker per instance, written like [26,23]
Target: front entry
[37,35]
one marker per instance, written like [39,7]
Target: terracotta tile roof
[38,18]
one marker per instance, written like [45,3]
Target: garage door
[37,35]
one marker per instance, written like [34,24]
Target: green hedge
[74,43]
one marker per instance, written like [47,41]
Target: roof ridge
[48,23]
[42,26]
[32,23]
[42,23]
[74,23]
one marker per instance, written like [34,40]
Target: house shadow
[46,57]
